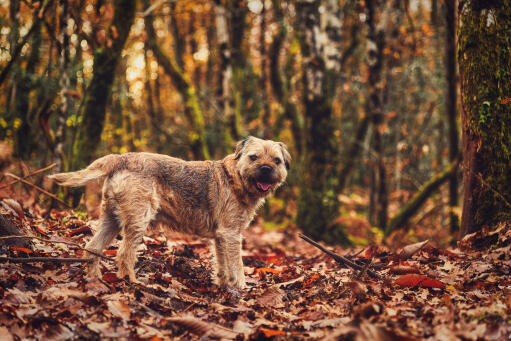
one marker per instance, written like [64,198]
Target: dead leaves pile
[294,290]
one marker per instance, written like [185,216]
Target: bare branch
[339,259]
[38,188]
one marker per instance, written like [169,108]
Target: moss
[485,63]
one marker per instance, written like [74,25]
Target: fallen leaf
[409,250]
[202,328]
[13,206]
[271,297]
[82,229]
[21,249]
[311,280]
[404,269]
[119,308]
[271,332]
[111,277]
[111,252]
[416,280]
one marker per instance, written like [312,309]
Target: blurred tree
[318,27]
[174,68]
[485,74]
[451,105]
[374,109]
[106,57]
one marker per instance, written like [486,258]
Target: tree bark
[451,104]
[319,26]
[281,81]
[106,59]
[374,110]
[485,79]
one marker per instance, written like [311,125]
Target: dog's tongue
[263,186]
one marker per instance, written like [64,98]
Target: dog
[212,199]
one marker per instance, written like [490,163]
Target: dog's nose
[266,169]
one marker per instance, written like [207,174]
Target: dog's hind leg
[109,228]
[136,212]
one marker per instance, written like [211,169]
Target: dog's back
[158,165]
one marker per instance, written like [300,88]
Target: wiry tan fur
[214,199]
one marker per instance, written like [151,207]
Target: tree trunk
[451,101]
[267,131]
[24,84]
[64,83]
[318,203]
[485,77]
[106,59]
[281,81]
[173,67]
[374,110]
[225,73]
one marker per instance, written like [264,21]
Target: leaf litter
[294,290]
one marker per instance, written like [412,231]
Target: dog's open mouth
[263,186]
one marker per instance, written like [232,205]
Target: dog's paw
[237,281]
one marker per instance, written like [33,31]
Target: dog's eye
[277,161]
[253,157]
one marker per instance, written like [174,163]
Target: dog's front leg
[228,255]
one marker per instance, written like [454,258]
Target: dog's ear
[239,147]
[285,154]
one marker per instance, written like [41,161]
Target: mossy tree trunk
[485,74]
[24,82]
[319,27]
[106,58]
[174,68]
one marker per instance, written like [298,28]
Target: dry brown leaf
[272,297]
[409,250]
[120,309]
[201,328]
[13,206]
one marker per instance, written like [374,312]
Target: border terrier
[212,199]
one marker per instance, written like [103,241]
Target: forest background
[364,94]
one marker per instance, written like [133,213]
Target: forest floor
[295,291]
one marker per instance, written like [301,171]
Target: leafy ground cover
[295,291]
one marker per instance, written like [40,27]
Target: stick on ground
[339,259]
[29,175]
[61,242]
[44,260]
[38,188]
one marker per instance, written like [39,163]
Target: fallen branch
[61,242]
[38,188]
[45,260]
[415,203]
[29,175]
[339,259]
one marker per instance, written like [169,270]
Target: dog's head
[262,164]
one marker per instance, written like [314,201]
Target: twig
[38,188]
[339,259]
[61,242]
[45,260]
[29,175]
[365,269]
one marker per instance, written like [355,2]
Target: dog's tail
[95,170]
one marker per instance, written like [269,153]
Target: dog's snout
[266,170]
